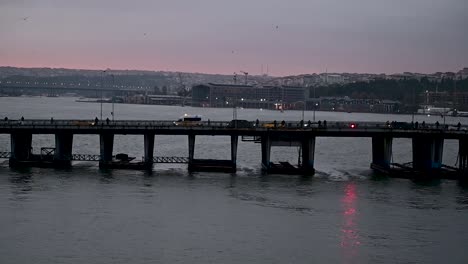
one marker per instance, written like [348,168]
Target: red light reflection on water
[349,234]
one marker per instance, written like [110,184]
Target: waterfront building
[248,96]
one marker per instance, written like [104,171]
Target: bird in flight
[25,18]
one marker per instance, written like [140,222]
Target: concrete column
[234,143]
[308,154]
[106,146]
[63,148]
[427,153]
[20,146]
[382,151]
[149,148]
[191,145]
[266,150]
[463,157]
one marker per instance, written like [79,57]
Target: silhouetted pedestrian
[325,123]
[22,118]
[107,120]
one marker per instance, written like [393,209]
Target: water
[344,214]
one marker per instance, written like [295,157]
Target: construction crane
[245,73]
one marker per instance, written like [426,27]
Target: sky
[218,36]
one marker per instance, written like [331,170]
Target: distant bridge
[68,87]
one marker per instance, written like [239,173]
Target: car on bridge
[238,123]
[189,120]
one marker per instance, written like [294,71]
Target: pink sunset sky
[216,36]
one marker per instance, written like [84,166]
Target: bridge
[57,87]
[427,141]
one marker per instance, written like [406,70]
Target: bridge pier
[234,143]
[21,149]
[63,149]
[381,152]
[308,154]
[266,152]
[149,149]
[106,145]
[427,153]
[463,158]
[191,146]
[212,164]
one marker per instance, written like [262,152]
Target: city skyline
[217,37]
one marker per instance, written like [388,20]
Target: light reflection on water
[350,241]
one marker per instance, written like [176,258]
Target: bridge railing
[154,124]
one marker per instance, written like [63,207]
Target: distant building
[166,99]
[248,96]
[463,74]
[333,78]
[346,104]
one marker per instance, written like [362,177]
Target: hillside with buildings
[357,92]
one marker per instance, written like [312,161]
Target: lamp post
[102,88]
[113,96]
[303,108]
[315,106]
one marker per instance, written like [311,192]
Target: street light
[303,108]
[315,106]
[102,88]
[113,95]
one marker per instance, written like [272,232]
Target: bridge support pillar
[234,143]
[63,149]
[20,147]
[463,158]
[106,147]
[427,153]
[149,149]
[266,151]
[308,154]
[191,145]
[381,152]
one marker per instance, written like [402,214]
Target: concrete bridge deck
[293,128]
[427,140]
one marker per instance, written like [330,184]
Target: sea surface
[343,214]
